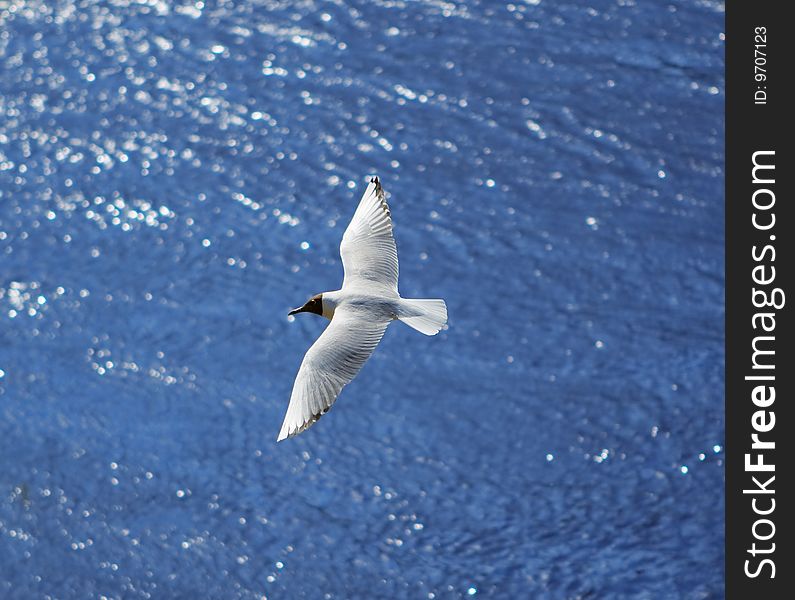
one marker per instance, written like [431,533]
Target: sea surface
[176,176]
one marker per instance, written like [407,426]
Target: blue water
[175,176]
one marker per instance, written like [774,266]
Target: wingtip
[283,435]
[379,191]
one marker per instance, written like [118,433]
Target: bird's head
[313,305]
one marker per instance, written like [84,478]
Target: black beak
[295,311]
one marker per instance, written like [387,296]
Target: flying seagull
[359,313]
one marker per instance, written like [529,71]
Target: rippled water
[175,176]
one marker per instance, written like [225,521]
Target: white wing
[368,249]
[329,365]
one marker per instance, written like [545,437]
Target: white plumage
[359,312]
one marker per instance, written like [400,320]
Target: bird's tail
[426,316]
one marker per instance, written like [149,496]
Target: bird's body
[377,307]
[359,313]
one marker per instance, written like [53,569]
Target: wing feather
[368,249]
[329,365]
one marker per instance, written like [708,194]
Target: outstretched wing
[329,365]
[368,248]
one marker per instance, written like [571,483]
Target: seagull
[359,313]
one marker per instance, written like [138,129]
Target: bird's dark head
[313,305]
